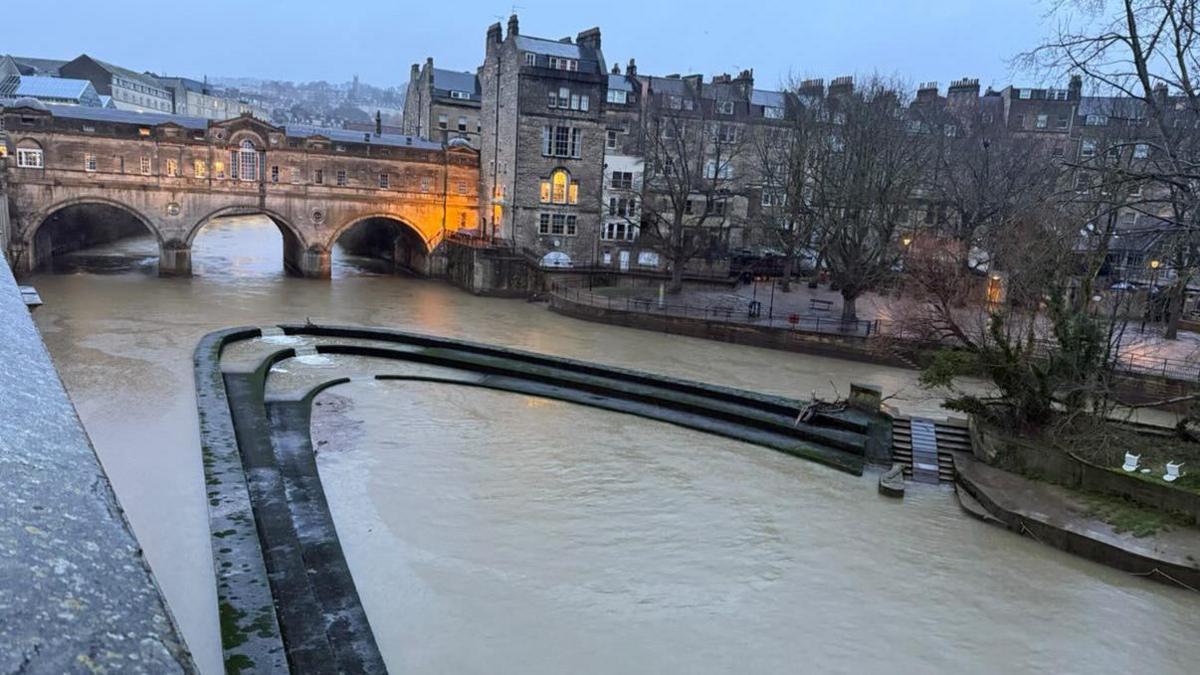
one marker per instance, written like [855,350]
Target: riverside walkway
[76,594]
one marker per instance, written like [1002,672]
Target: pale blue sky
[917,41]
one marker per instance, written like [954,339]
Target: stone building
[194,98]
[542,143]
[129,90]
[440,105]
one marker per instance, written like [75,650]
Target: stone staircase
[924,446]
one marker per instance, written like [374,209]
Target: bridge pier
[309,263]
[175,261]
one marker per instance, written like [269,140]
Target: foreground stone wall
[76,595]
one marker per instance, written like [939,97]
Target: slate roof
[593,59]
[124,116]
[149,80]
[350,136]
[1112,106]
[773,99]
[452,80]
[36,66]
[619,82]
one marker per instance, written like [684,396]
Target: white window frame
[89,162]
[725,107]
[610,140]
[773,112]
[341,178]
[31,158]
[619,96]
[530,59]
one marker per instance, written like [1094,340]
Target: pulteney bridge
[76,177]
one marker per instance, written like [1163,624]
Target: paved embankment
[76,594]
[1063,518]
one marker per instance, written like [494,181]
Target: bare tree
[691,161]
[782,157]
[863,174]
[1146,51]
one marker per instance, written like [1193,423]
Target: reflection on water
[497,532]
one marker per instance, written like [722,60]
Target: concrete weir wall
[76,594]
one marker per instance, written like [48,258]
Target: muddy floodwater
[493,532]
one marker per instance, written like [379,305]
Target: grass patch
[1128,517]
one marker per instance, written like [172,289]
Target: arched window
[247,161]
[560,189]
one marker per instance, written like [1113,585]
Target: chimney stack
[814,87]
[616,69]
[1160,93]
[1075,88]
[927,92]
[378,123]
[631,69]
[589,38]
[841,86]
[513,27]
[493,37]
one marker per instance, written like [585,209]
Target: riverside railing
[800,323]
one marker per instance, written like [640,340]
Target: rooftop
[453,80]
[34,86]
[351,136]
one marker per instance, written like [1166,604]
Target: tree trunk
[787,274]
[676,285]
[849,309]
[1174,310]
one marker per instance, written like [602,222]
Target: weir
[275,544]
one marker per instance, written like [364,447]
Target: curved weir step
[288,600]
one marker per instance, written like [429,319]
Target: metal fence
[747,316]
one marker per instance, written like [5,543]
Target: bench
[820,305]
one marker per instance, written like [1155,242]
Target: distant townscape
[87,81]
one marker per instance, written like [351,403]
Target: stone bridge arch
[387,235]
[38,243]
[301,255]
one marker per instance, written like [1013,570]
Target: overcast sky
[915,40]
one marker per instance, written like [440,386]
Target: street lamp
[1155,263]
[906,241]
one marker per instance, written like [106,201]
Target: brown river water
[492,532]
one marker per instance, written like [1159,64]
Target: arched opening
[382,245]
[94,237]
[247,245]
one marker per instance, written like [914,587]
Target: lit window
[29,158]
[200,168]
[558,184]
[89,162]
[143,131]
[219,169]
[341,177]
[172,167]
[146,166]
